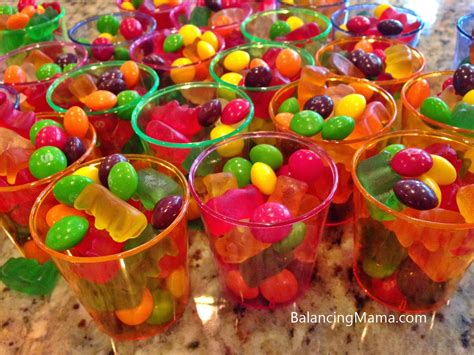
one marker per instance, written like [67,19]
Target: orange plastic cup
[122,287]
[409,261]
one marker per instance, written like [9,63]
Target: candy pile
[293,28]
[159,5]
[27,14]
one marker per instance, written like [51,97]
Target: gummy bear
[465,199]
[12,161]
[181,118]
[162,132]
[37,58]
[82,86]
[399,63]
[217,184]
[344,66]
[153,186]
[289,192]
[312,83]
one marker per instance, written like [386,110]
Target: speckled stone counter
[60,325]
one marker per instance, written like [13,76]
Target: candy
[288,62]
[47,71]
[321,104]
[418,92]
[69,187]
[102,48]
[237,61]
[306,123]
[294,22]
[399,62]
[352,105]
[463,79]
[218,183]
[211,38]
[238,245]
[462,116]
[279,29]
[40,125]
[108,24]
[293,240]
[289,192]
[337,127]
[131,73]
[190,33]
[184,74]
[229,149]
[163,308]
[76,122]
[442,171]
[106,165]
[153,186]
[51,136]
[358,24]
[205,50]
[47,161]
[290,105]
[166,211]
[305,165]
[139,314]
[100,100]
[240,168]
[271,213]
[123,180]
[436,109]
[280,288]
[73,149]
[390,27]
[370,65]
[235,111]
[415,194]
[236,284]
[268,154]
[411,162]
[263,177]
[209,113]
[130,28]
[173,43]
[14,75]
[469,97]
[66,233]
[464,198]
[258,77]
[90,172]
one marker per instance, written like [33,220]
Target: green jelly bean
[338,127]
[279,29]
[69,187]
[163,308]
[7,10]
[173,43]
[378,270]
[69,67]
[123,180]
[268,154]
[121,53]
[290,105]
[307,123]
[463,116]
[393,149]
[199,16]
[436,109]
[47,161]
[124,98]
[47,71]
[66,233]
[292,240]
[108,24]
[240,168]
[38,126]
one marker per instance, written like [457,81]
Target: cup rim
[366,5]
[79,49]
[93,141]
[398,134]
[190,145]
[408,106]
[265,134]
[461,29]
[418,55]
[123,254]
[93,66]
[324,6]
[301,51]
[11,90]
[286,11]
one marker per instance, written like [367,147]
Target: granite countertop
[59,324]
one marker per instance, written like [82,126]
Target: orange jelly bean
[418,92]
[236,283]
[366,46]
[193,210]
[131,73]
[29,11]
[60,211]
[100,100]
[223,20]
[32,251]
[14,75]
[257,62]
[283,120]
[76,122]
[17,21]
[288,62]
[280,288]
[139,314]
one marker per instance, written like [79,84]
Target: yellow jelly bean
[231,78]
[107,35]
[470,155]
[288,2]
[341,34]
[237,61]
[158,3]
[379,10]
[294,22]
[469,97]
[185,74]
[230,149]
[205,50]
[211,38]
[127,6]
[442,171]
[352,105]
[263,178]
[189,33]
[177,282]
[433,185]
[89,171]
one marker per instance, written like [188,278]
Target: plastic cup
[341,17]
[113,126]
[325,7]
[153,44]
[183,155]
[16,201]
[464,40]
[256,269]
[106,284]
[35,91]
[420,258]
[11,95]
[341,210]
[53,29]
[413,119]
[256,28]
[85,32]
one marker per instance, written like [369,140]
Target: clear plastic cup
[325,7]
[464,52]
[11,95]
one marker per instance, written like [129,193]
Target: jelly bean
[100,100]
[51,136]
[271,213]
[289,105]
[378,270]
[229,149]
[393,149]
[469,97]
[436,109]
[185,73]
[65,59]
[40,125]
[66,233]
[370,65]
[177,283]
[305,165]
[240,168]
[173,43]
[235,111]
[257,62]
[306,123]
[76,122]
[268,154]
[380,9]
[106,165]
[209,113]
[108,24]
[418,92]
[294,22]
[163,309]
[337,127]
[74,149]
[366,46]
[263,177]
[390,27]
[109,75]
[166,210]
[190,33]
[442,171]
[115,86]
[131,28]
[205,50]
[47,71]
[470,155]
[47,161]
[358,24]
[283,120]
[14,74]
[138,314]
[288,62]
[415,194]
[433,185]
[463,79]
[127,6]
[258,77]
[131,73]
[296,236]
[211,38]
[108,36]
[102,49]
[121,53]
[356,56]
[232,78]
[60,211]
[7,10]
[280,288]
[69,187]
[127,97]
[279,29]
[123,180]
[89,171]
[411,162]
[237,285]
[322,104]
[352,105]
[237,61]
[17,21]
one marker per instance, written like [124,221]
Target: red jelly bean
[358,24]
[131,28]
[102,49]
[271,213]
[236,283]
[280,288]
[387,290]
[235,111]
[411,162]
[305,165]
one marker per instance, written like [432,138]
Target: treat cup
[464,41]
[324,7]
[340,18]
[16,201]
[33,92]
[10,95]
[341,151]
[256,28]
[114,130]
[409,260]
[411,115]
[254,273]
[54,29]
[86,31]
[198,70]
[188,145]
[153,274]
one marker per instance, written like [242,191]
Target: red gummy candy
[179,117]
[55,5]
[307,31]
[162,132]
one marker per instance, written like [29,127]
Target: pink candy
[235,111]
[411,162]
[271,213]
[305,165]
[51,136]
